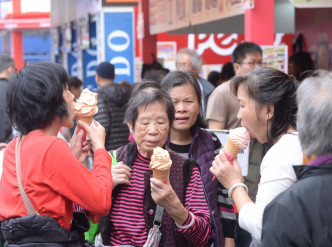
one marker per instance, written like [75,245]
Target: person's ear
[269,112]
[237,68]
[130,126]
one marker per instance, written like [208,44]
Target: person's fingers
[156,183]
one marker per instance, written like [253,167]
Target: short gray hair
[196,60]
[314,116]
[5,62]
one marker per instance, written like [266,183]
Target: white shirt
[277,175]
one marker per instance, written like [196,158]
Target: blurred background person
[300,65]
[112,104]
[301,216]
[52,174]
[75,86]
[214,78]
[188,138]
[268,111]
[189,60]
[184,222]
[227,72]
[155,75]
[7,69]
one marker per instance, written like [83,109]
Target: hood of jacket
[115,93]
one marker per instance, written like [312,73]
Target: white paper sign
[243,156]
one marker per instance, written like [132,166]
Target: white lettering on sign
[124,63]
[221,44]
[118,34]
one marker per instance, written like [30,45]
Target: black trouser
[242,237]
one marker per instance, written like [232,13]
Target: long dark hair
[269,86]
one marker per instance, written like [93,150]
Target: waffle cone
[160,174]
[232,148]
[87,119]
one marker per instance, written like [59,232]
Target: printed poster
[276,57]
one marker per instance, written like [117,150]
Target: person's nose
[239,114]
[152,129]
[180,107]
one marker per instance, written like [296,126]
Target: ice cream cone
[160,174]
[232,148]
[160,164]
[86,119]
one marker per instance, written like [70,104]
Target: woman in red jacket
[39,104]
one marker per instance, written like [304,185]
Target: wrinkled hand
[163,193]
[228,174]
[80,151]
[96,133]
[121,174]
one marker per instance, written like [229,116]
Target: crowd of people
[48,198]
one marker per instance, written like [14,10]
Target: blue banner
[119,44]
[89,68]
[72,64]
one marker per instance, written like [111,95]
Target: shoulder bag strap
[28,205]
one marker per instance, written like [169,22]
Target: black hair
[143,94]
[214,78]
[227,72]
[5,62]
[269,86]
[74,82]
[302,64]
[35,96]
[243,49]
[179,78]
[155,75]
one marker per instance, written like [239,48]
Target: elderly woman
[52,176]
[191,141]
[301,216]
[186,217]
[268,110]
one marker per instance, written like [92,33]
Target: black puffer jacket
[112,105]
[302,215]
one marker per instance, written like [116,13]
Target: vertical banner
[89,68]
[119,42]
[72,64]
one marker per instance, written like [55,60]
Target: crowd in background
[113,197]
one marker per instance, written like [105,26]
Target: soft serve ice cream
[237,140]
[86,106]
[160,163]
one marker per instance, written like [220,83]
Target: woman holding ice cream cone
[50,172]
[268,111]
[138,196]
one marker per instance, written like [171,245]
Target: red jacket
[53,179]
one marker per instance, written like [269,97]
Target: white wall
[64,11]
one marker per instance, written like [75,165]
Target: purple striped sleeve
[200,232]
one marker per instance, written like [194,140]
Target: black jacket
[302,215]
[112,105]
[5,125]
